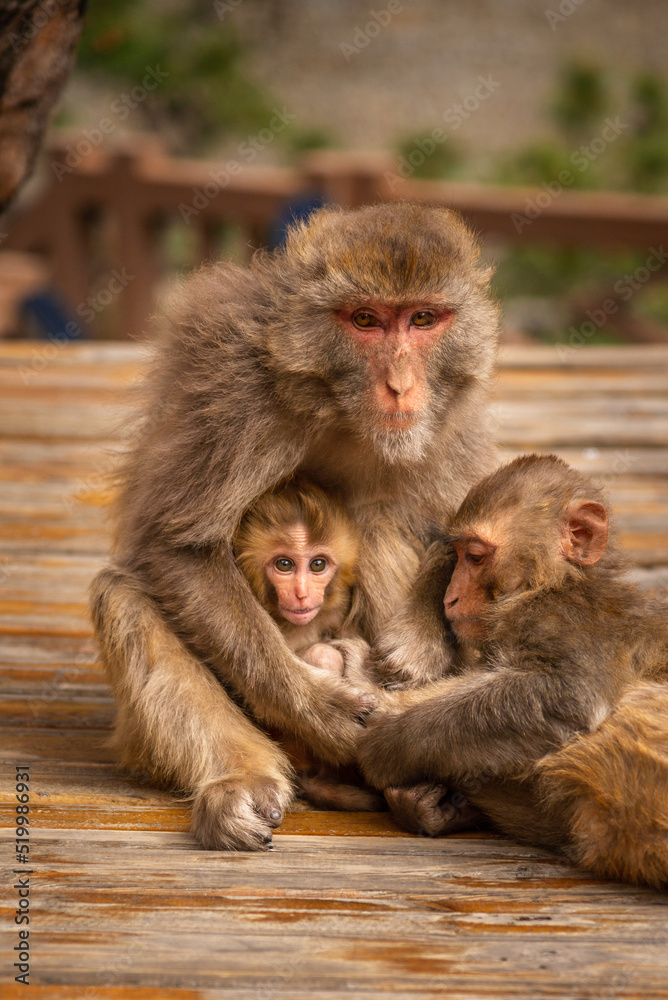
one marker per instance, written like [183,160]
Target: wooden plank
[172,817]
[346,903]
[556,359]
[65,746]
[456,915]
[89,354]
[14,991]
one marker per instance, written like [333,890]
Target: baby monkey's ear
[584,534]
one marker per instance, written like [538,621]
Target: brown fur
[518,731]
[262,529]
[613,786]
[324,517]
[255,381]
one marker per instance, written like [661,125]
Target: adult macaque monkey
[358,354]
[550,636]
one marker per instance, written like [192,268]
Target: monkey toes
[239,815]
[430,809]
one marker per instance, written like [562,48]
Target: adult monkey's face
[394,316]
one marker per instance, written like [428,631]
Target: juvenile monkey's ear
[584,532]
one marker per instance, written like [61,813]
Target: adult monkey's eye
[318,565]
[283,564]
[423,318]
[363,319]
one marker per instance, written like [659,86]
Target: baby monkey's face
[300,572]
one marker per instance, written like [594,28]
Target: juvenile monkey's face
[395,342]
[299,573]
[468,593]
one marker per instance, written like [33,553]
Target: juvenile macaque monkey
[298,550]
[549,637]
[359,354]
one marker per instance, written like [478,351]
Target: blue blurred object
[48,318]
[294,211]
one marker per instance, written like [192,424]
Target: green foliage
[637,160]
[206,91]
[544,162]
[549,283]
[442,163]
[581,100]
[304,139]
[647,157]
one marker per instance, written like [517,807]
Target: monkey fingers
[429,809]
[331,727]
[239,814]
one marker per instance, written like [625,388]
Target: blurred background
[193,129]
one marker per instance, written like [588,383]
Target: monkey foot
[429,809]
[239,814]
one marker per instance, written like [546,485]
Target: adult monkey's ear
[584,534]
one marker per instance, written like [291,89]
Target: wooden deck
[124,904]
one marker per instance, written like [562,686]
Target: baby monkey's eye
[423,318]
[364,319]
[283,564]
[318,565]
[475,557]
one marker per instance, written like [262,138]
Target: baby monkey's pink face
[300,572]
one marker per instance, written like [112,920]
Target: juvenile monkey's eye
[475,557]
[283,564]
[318,565]
[363,319]
[423,318]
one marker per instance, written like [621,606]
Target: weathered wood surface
[126,905]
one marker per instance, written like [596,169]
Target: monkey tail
[613,784]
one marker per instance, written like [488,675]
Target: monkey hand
[430,809]
[404,657]
[384,751]
[323,656]
[240,813]
[331,724]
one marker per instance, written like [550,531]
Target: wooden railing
[125,199]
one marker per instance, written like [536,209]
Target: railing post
[348,179]
[137,253]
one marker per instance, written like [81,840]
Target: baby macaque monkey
[548,639]
[297,547]
[298,550]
